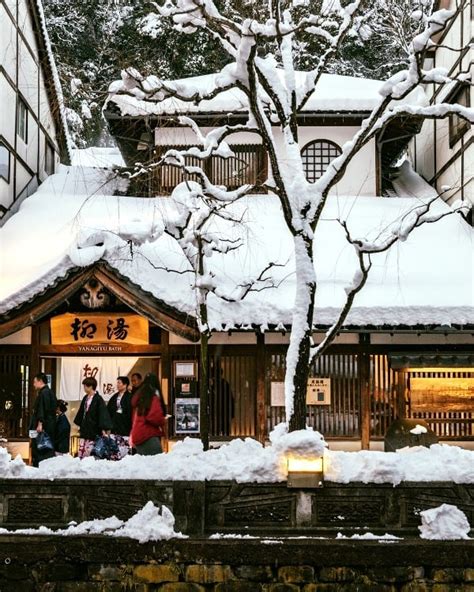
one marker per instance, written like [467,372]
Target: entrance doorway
[66,374]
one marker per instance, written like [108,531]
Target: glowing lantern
[305,472]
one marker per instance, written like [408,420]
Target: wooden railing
[248,166]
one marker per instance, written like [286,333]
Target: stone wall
[104,564]
[202,508]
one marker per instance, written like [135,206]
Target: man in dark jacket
[120,411]
[43,417]
[92,418]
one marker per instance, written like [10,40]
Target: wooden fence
[248,166]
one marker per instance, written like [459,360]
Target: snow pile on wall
[247,461]
[9,467]
[302,443]
[440,462]
[148,524]
[444,523]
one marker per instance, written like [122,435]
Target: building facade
[33,137]
[443,152]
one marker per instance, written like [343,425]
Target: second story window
[317,156]
[48,158]
[4,163]
[22,120]
[457,125]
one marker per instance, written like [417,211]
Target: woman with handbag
[92,418]
[148,417]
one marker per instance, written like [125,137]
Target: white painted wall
[28,82]
[431,150]
[360,178]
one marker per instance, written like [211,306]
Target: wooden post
[261,380]
[165,375]
[364,378]
[401,405]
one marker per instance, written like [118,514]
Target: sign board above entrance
[85,328]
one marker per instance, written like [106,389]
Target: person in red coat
[148,417]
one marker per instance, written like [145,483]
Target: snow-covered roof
[333,93]
[75,220]
[95,156]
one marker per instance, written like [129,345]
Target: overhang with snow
[75,222]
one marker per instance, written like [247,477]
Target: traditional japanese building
[33,134]
[105,292]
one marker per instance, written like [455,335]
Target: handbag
[105,448]
[44,442]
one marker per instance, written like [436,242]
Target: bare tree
[276,95]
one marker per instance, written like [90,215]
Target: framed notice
[187,416]
[318,391]
[185,369]
[277,394]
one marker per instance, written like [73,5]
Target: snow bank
[247,461]
[444,523]
[440,462]
[148,524]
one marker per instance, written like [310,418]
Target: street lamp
[305,472]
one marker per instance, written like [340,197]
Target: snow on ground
[444,523]
[97,157]
[148,524]
[87,223]
[248,461]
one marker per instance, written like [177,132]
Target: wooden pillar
[165,376]
[364,379]
[35,366]
[401,386]
[261,379]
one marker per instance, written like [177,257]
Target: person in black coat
[43,417]
[62,434]
[92,418]
[120,411]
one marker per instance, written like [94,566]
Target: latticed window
[317,156]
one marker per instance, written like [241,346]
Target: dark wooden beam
[261,380]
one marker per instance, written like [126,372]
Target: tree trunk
[298,355]
[204,391]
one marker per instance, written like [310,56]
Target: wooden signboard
[318,391]
[441,394]
[104,328]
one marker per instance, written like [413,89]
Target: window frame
[49,146]
[331,144]
[459,127]
[22,108]
[2,176]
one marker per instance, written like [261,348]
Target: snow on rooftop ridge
[334,92]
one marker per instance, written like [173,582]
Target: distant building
[443,153]
[33,136]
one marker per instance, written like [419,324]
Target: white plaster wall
[7,43]
[22,337]
[26,25]
[7,119]
[431,147]
[28,77]
[360,178]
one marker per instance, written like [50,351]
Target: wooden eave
[129,293]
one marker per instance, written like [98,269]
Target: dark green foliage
[94,40]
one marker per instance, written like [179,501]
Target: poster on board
[187,416]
